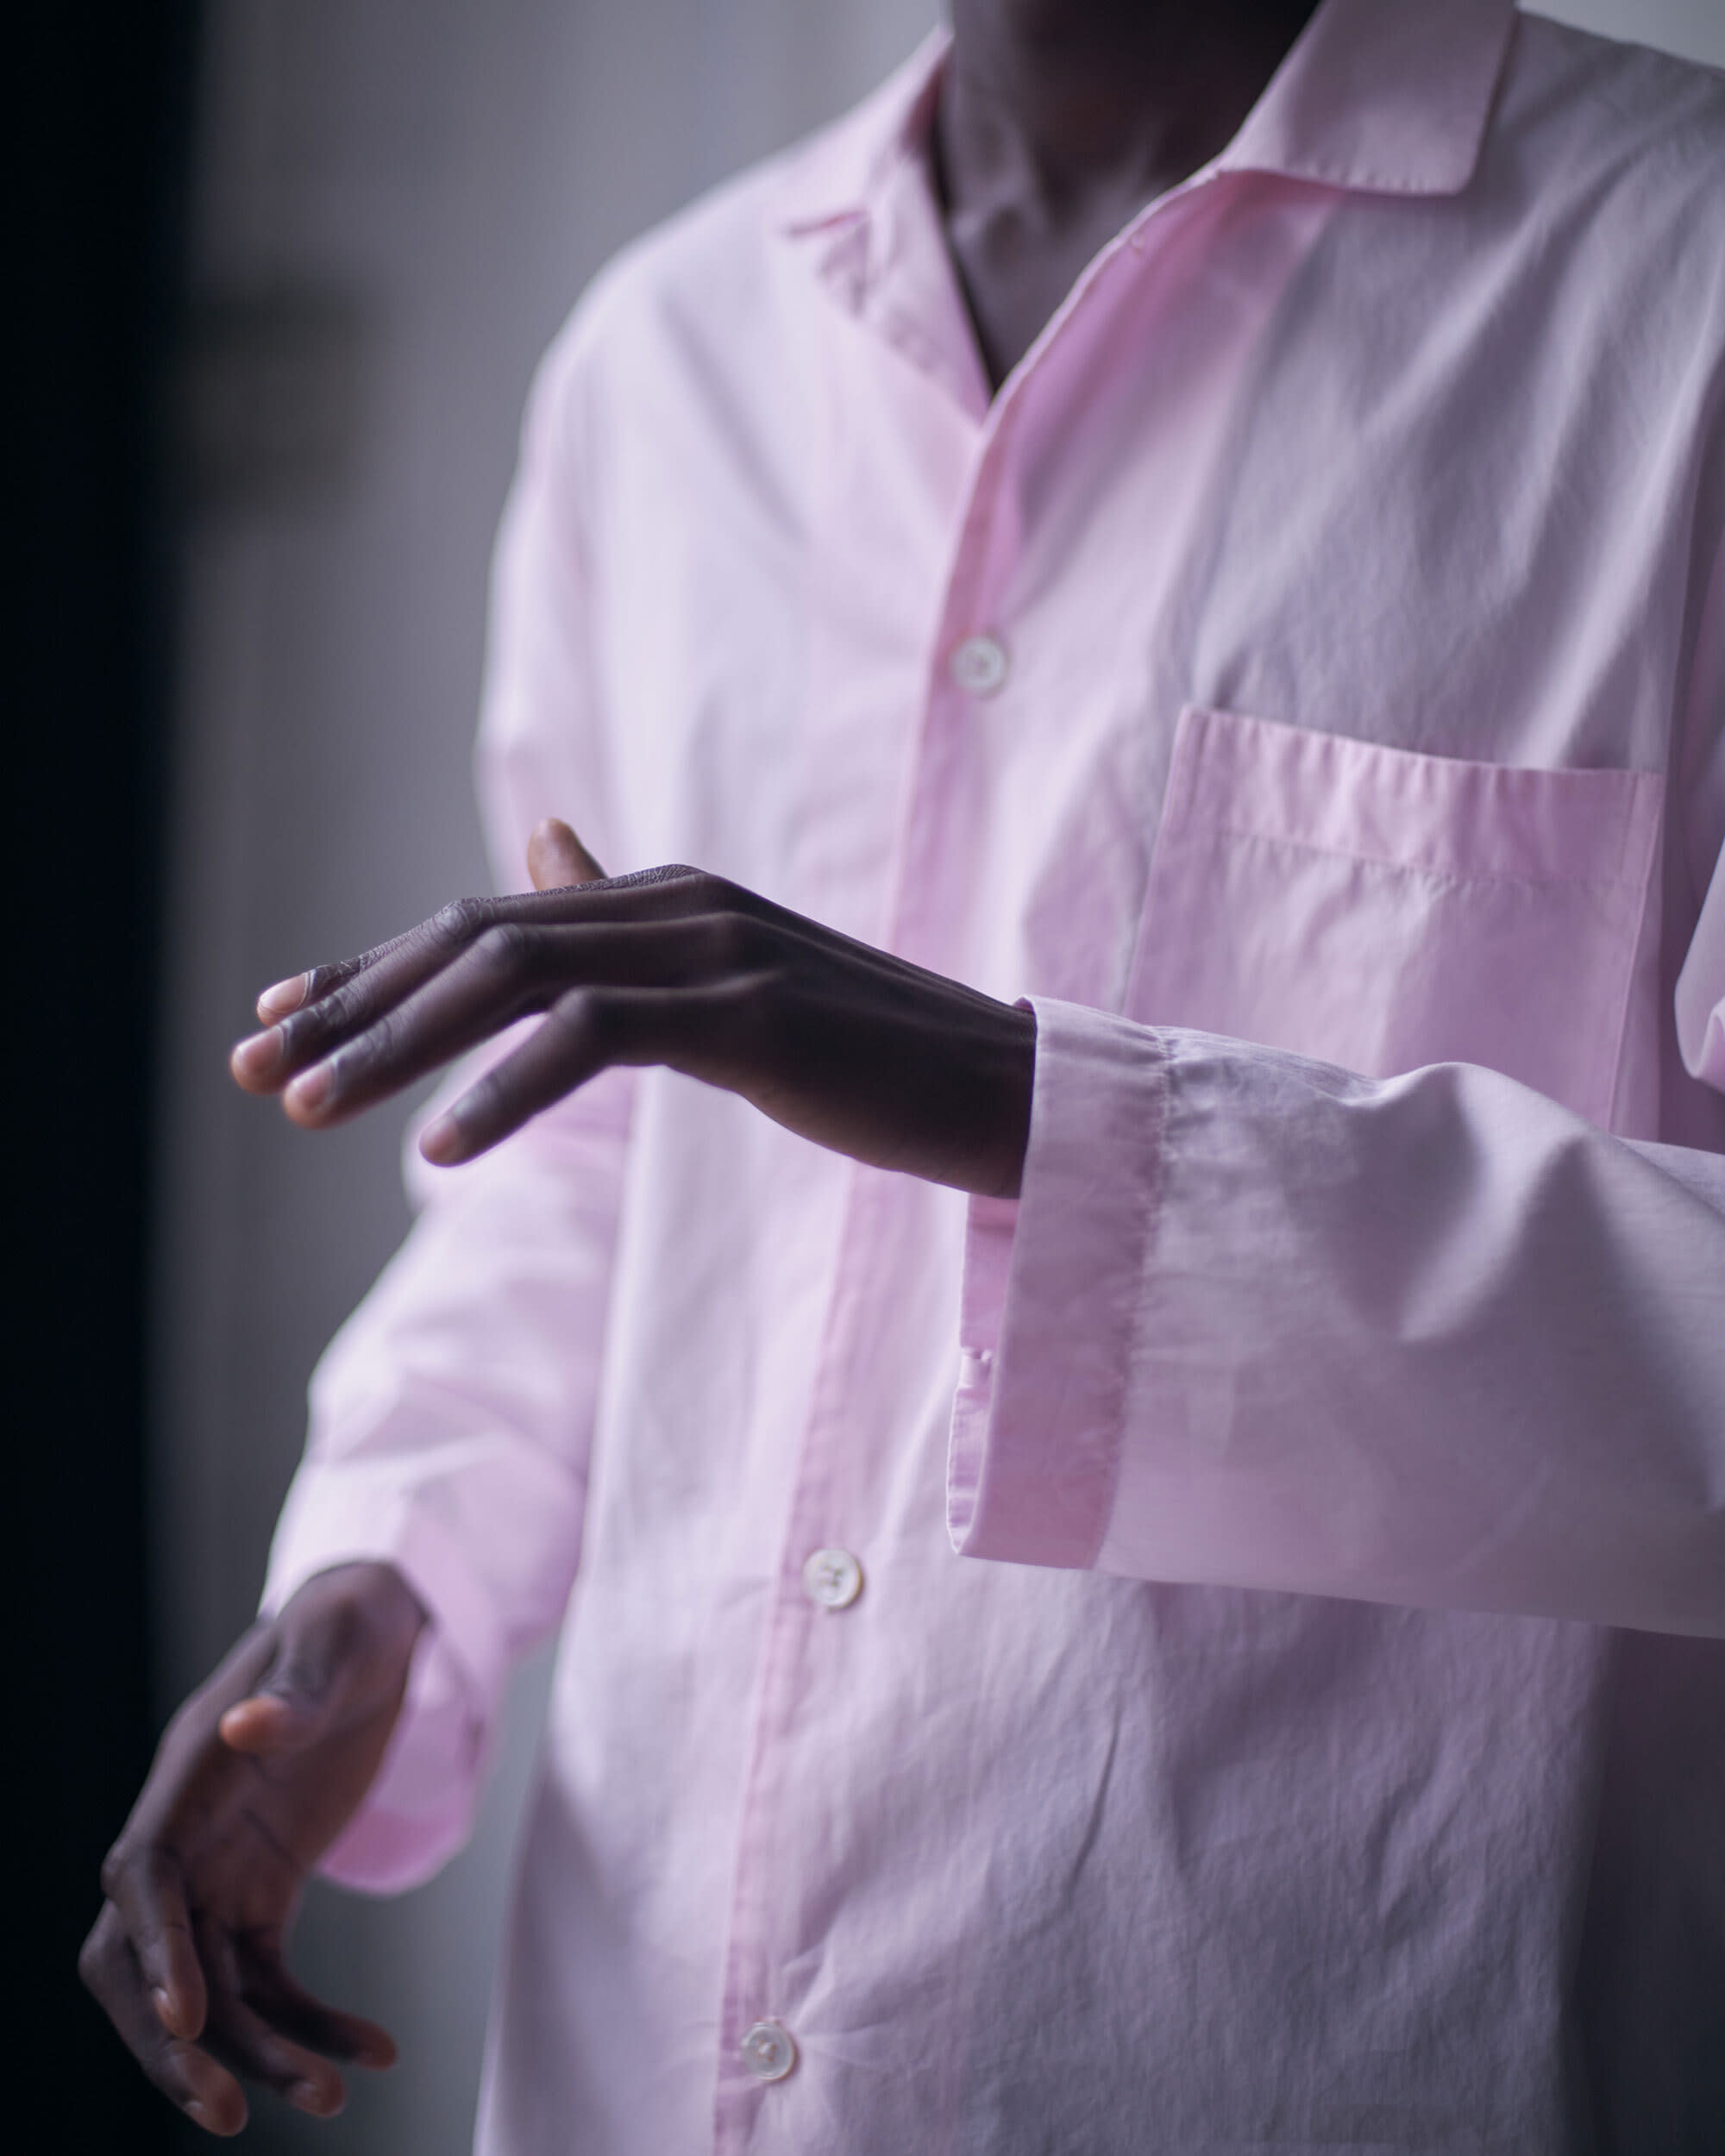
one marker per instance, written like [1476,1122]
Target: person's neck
[1059,119]
[1055,97]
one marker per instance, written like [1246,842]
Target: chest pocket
[1381,910]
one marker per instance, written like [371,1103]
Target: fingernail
[259,1055]
[284,996]
[314,1088]
[164,2007]
[440,1140]
[194,2111]
[306,2096]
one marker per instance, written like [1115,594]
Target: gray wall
[399,199]
[1694,28]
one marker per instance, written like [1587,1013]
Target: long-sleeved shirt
[1172,1662]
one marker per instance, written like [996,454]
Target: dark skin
[253,1780]
[1058,120]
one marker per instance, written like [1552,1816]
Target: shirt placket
[819,1576]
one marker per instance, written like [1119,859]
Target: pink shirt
[1304,680]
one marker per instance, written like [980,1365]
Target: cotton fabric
[1229,1747]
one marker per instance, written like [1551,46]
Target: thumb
[300,1694]
[556,857]
[343,1644]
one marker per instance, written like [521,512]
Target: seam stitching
[1454,878]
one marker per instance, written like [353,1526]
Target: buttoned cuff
[420,1808]
[1050,1297]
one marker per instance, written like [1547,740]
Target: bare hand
[840,1042]
[254,1777]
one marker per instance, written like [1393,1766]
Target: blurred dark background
[286,267]
[99,127]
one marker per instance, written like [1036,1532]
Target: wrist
[369,1598]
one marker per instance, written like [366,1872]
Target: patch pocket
[1382,910]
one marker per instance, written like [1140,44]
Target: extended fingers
[312,1015]
[339,1001]
[301,988]
[516,967]
[585,1031]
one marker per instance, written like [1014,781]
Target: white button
[832,1578]
[979,665]
[767,2051]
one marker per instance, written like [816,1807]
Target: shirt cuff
[1051,1295]
[420,1808]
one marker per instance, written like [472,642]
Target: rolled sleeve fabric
[1432,1340]
[1053,1299]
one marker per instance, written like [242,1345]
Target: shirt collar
[1376,96]
[1381,96]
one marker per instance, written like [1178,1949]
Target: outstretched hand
[841,1043]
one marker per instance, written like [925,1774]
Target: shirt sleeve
[1432,1340]
[452,1416]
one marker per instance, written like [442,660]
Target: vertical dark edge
[98,141]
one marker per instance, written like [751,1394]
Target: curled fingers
[243,2034]
[182,2070]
